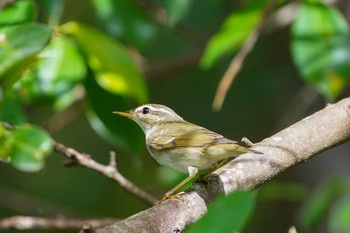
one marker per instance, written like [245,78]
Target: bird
[179,144]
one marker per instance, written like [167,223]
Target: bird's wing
[195,137]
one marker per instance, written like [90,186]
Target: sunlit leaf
[321,48]
[26,147]
[118,131]
[59,68]
[126,20]
[318,205]
[235,30]
[18,12]
[227,214]
[115,70]
[177,10]
[18,47]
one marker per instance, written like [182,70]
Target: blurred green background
[66,65]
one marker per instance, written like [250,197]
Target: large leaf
[227,214]
[235,30]
[321,48]
[114,68]
[59,68]
[18,12]
[26,147]
[126,20]
[18,47]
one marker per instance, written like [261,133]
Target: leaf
[321,48]
[283,191]
[339,220]
[126,20]
[11,109]
[52,9]
[177,10]
[19,12]
[115,70]
[235,30]
[59,68]
[26,147]
[117,131]
[317,206]
[18,47]
[226,214]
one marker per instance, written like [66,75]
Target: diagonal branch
[109,170]
[293,145]
[238,60]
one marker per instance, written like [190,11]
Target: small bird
[179,144]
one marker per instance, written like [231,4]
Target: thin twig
[238,60]
[109,170]
[31,222]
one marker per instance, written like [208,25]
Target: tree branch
[238,60]
[109,170]
[30,222]
[295,144]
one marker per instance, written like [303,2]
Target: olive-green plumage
[179,144]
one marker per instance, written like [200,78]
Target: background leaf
[234,31]
[226,214]
[126,20]
[321,48]
[18,47]
[115,70]
[177,10]
[26,147]
[18,12]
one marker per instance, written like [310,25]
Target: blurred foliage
[107,55]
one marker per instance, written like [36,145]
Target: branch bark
[293,145]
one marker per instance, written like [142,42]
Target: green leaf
[235,30]
[117,131]
[283,191]
[126,20]
[26,147]
[339,220]
[19,12]
[226,214]
[59,68]
[317,206]
[177,10]
[11,109]
[321,48]
[114,68]
[18,47]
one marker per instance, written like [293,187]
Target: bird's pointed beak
[124,114]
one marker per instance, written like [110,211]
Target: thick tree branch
[295,144]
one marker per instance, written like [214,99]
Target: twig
[30,222]
[109,170]
[296,144]
[238,60]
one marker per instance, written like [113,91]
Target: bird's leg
[210,170]
[192,171]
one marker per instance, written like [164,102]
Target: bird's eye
[145,110]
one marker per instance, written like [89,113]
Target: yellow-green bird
[179,144]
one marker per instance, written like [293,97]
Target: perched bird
[179,144]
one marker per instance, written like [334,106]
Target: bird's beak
[124,114]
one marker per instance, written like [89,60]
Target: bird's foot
[172,196]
